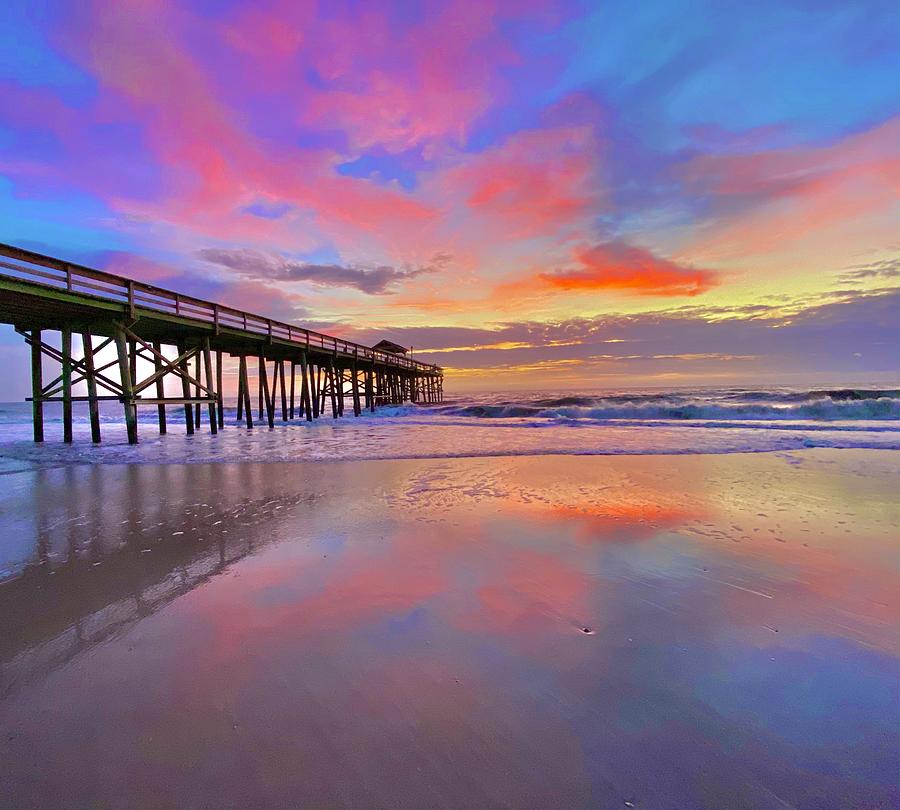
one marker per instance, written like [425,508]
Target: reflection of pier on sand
[79,573]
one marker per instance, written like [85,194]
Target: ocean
[615,422]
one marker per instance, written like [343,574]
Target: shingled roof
[389,346]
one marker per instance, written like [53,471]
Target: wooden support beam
[127,386]
[259,388]
[179,366]
[197,388]
[313,391]
[175,366]
[207,365]
[37,407]
[354,386]
[79,398]
[220,402]
[93,404]
[264,384]
[77,366]
[331,377]
[160,388]
[248,411]
[132,360]
[304,387]
[66,352]
[274,389]
[320,392]
[172,401]
[293,386]
[340,390]
[244,391]
[50,391]
[240,391]
[182,361]
[284,406]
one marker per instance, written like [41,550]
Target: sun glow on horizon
[478,180]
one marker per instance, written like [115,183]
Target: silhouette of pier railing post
[40,294]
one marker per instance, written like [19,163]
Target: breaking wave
[607,423]
[846,404]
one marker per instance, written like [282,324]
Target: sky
[532,194]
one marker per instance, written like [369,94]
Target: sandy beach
[546,631]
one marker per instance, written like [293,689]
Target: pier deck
[142,321]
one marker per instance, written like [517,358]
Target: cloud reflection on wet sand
[414,633]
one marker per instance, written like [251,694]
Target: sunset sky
[559,194]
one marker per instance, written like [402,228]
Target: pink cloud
[538,183]
[797,192]
[401,89]
[211,163]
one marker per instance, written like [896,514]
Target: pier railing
[47,271]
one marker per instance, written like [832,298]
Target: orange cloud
[612,265]
[618,266]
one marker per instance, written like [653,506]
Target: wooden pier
[299,372]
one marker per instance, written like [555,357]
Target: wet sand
[648,631]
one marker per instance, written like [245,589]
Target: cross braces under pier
[324,386]
[40,294]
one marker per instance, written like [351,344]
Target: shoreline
[509,631]
[53,454]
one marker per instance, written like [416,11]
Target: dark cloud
[884,268]
[240,293]
[857,335]
[372,280]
